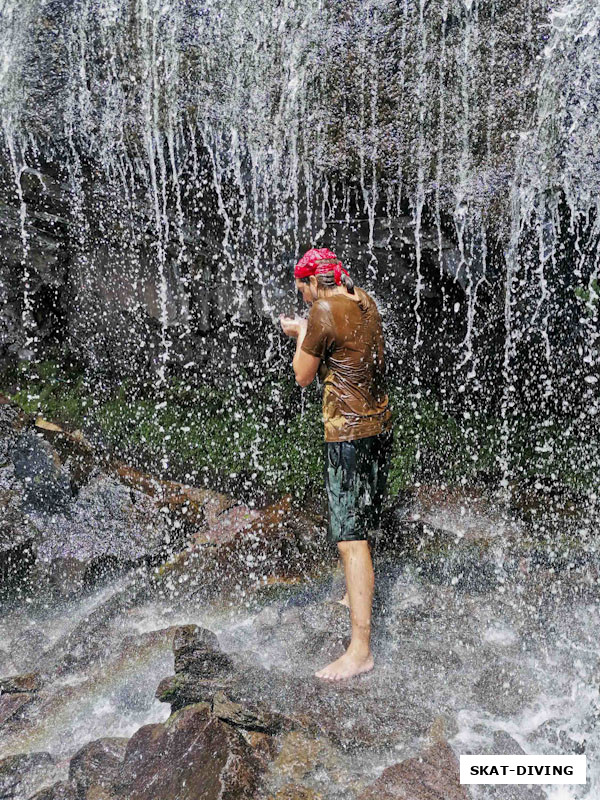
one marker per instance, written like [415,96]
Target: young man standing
[342,340]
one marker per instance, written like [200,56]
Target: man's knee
[347,549]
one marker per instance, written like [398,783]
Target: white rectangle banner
[523,769]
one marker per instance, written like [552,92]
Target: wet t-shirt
[347,336]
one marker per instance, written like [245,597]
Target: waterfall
[447,149]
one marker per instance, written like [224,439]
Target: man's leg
[358,567]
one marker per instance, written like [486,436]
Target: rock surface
[20,683]
[271,699]
[64,521]
[433,775]
[97,766]
[193,755]
[21,774]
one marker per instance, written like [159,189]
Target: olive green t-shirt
[347,336]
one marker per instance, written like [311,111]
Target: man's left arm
[305,365]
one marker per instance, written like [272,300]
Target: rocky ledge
[239,731]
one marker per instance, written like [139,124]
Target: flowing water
[514,667]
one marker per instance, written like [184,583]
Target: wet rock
[300,756]
[504,689]
[197,652]
[293,791]
[504,744]
[433,775]
[21,683]
[279,545]
[60,791]
[87,640]
[363,714]
[22,774]
[185,690]
[250,717]
[106,519]
[198,507]
[64,522]
[27,648]
[11,704]
[45,483]
[192,755]
[97,766]
[17,553]
[229,524]
[201,669]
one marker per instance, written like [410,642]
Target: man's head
[307,288]
[318,272]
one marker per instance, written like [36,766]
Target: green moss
[264,434]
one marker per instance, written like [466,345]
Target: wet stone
[504,689]
[504,744]
[11,704]
[293,791]
[60,791]
[46,484]
[184,690]
[192,755]
[20,683]
[250,717]
[433,775]
[22,774]
[97,765]
[197,652]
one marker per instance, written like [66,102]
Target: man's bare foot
[347,666]
[345,601]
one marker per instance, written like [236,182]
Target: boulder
[201,669]
[197,652]
[433,775]
[192,755]
[97,766]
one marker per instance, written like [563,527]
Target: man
[342,340]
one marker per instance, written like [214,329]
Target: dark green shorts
[355,477]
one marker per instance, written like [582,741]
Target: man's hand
[292,326]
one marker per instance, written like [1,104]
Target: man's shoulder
[321,308]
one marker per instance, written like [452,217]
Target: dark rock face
[433,775]
[64,522]
[97,766]
[193,755]
[45,482]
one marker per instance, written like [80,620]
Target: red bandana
[319,262]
